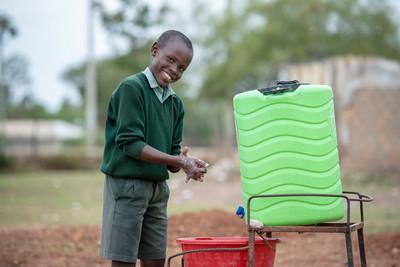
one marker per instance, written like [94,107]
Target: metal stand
[346,227]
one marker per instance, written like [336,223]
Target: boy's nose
[174,72]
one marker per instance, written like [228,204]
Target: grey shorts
[134,219]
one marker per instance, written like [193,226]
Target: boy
[142,142]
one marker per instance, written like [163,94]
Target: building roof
[40,129]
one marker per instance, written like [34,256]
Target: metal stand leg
[361,247]
[349,248]
[252,237]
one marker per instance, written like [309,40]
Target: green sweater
[136,118]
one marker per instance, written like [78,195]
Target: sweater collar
[161,93]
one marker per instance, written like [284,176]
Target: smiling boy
[142,142]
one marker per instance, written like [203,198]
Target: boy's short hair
[167,35]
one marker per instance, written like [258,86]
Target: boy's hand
[194,168]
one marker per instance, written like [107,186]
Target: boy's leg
[153,243]
[152,263]
[122,264]
[124,207]
[144,263]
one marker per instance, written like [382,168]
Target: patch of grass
[51,197]
[60,197]
[190,207]
[75,197]
[383,214]
[379,219]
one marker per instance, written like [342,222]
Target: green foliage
[64,162]
[69,112]
[74,142]
[248,45]
[132,21]
[109,73]
[112,71]
[7,27]
[7,163]
[27,108]
[201,122]
[16,76]
[72,158]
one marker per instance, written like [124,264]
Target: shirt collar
[153,82]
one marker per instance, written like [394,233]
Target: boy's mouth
[166,76]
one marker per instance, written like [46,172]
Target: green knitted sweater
[135,118]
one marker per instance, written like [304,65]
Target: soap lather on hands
[193,167]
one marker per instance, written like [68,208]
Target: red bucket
[264,255]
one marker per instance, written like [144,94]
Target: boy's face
[169,62]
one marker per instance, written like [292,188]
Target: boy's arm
[194,168]
[177,132]
[128,100]
[150,154]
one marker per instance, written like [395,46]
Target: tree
[265,34]
[16,78]
[69,112]
[27,108]
[133,21]
[16,100]
[7,29]
[109,73]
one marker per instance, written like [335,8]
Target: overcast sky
[52,35]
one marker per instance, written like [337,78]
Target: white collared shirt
[161,93]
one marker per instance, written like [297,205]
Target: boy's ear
[154,49]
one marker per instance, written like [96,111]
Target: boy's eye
[171,60]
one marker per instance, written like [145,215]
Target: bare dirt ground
[62,246]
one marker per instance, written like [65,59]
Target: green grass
[60,197]
[75,197]
[383,214]
[51,197]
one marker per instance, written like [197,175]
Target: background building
[367,108]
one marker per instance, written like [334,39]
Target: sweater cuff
[173,169]
[134,149]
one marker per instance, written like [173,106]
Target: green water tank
[287,144]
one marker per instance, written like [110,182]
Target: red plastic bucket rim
[218,240]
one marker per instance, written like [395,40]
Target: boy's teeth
[167,75]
